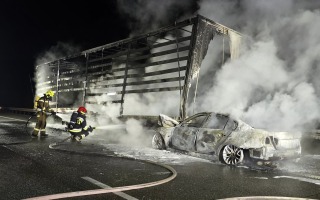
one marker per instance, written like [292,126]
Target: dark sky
[29,28]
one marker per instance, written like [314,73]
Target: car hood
[280,135]
[246,136]
[243,127]
[166,121]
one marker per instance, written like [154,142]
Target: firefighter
[43,108]
[78,125]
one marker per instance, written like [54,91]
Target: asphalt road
[29,168]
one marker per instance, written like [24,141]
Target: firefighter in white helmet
[78,125]
[42,106]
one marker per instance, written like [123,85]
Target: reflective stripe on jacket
[78,121]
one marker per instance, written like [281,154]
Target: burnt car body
[225,138]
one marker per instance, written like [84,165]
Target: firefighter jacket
[43,104]
[78,123]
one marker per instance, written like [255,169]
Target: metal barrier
[25,111]
[148,121]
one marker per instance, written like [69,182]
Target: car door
[184,135]
[206,140]
[212,131]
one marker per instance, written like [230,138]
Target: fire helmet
[82,110]
[49,93]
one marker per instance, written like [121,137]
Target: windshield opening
[222,122]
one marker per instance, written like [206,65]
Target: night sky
[29,28]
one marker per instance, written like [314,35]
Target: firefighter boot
[35,133]
[43,134]
[79,137]
[73,138]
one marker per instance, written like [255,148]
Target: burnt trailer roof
[166,59]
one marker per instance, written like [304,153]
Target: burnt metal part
[231,140]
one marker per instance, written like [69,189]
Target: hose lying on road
[27,123]
[111,190]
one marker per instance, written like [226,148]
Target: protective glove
[70,126]
[90,129]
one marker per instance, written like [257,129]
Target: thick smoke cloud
[274,83]
[148,15]
[58,51]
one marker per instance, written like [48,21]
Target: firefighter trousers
[41,124]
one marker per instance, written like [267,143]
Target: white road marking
[13,119]
[264,178]
[309,180]
[121,194]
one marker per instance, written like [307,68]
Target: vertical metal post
[222,50]
[178,56]
[195,92]
[57,87]
[125,81]
[187,78]
[85,81]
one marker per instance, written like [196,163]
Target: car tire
[158,142]
[231,155]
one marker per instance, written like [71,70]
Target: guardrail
[147,120]
[25,111]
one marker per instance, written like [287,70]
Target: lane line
[309,180]
[121,194]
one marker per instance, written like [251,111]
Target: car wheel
[158,142]
[231,155]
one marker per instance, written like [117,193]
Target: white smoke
[60,50]
[274,83]
[145,16]
[136,135]
[42,71]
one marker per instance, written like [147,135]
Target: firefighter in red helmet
[78,125]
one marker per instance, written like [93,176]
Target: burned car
[219,136]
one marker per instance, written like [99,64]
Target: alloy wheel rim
[232,155]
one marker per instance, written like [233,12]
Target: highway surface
[33,168]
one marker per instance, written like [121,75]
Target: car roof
[207,113]
[211,113]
